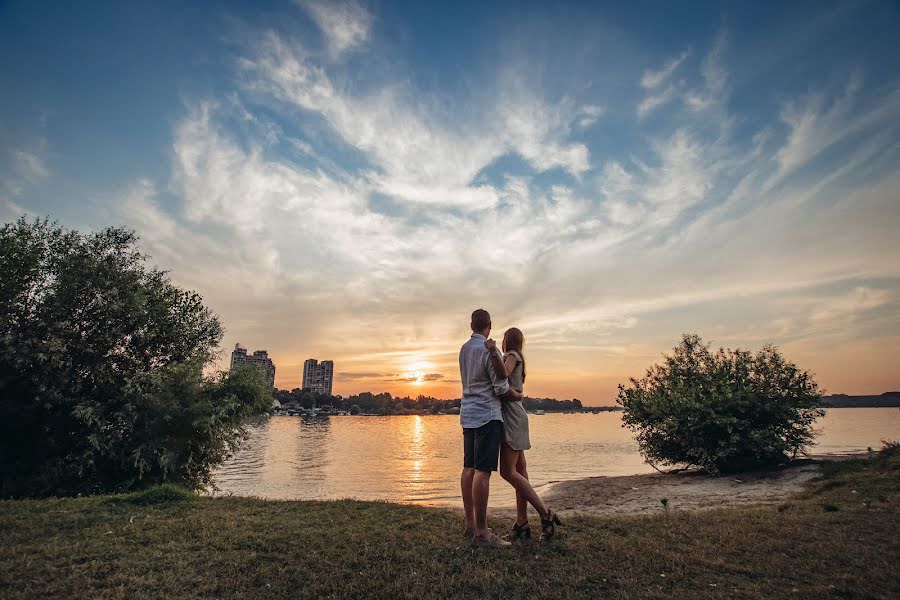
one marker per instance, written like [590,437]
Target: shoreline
[641,493]
[686,491]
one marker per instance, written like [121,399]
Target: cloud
[815,125]
[11,210]
[651,196]
[31,166]
[590,114]
[537,131]
[707,94]
[848,306]
[411,148]
[351,376]
[714,76]
[417,147]
[413,377]
[653,79]
[21,169]
[654,101]
[345,25]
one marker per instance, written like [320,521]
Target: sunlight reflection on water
[417,459]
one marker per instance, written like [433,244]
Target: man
[482,424]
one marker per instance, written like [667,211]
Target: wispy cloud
[661,88]
[31,166]
[345,24]
[11,210]
[537,131]
[652,79]
[590,114]
[653,101]
[848,306]
[816,125]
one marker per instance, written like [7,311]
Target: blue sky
[350,180]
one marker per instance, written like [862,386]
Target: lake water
[417,459]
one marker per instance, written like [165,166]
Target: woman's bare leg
[509,459]
[521,503]
[521,465]
[505,467]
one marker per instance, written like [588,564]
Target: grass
[838,539]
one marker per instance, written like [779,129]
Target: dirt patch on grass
[689,491]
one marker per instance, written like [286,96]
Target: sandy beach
[686,491]
[642,494]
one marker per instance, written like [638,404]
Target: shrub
[721,411]
[165,493]
[101,362]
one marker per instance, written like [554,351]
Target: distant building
[259,359]
[318,377]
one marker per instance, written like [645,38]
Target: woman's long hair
[514,340]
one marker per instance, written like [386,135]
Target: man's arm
[512,395]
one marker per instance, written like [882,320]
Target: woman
[516,440]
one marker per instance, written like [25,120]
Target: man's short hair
[481,320]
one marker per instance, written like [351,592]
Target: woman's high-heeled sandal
[548,525]
[520,531]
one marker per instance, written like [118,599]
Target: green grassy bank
[839,539]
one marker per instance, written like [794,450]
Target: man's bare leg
[465,482]
[481,487]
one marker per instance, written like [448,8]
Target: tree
[722,411]
[101,361]
[354,410]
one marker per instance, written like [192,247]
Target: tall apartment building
[317,376]
[259,359]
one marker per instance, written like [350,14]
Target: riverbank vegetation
[367,403]
[723,411]
[838,539]
[101,369]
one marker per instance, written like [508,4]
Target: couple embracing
[495,426]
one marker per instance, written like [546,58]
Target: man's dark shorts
[481,446]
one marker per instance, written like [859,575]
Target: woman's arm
[497,360]
[510,364]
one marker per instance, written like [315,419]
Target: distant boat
[539,412]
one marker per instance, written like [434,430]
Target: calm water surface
[417,459]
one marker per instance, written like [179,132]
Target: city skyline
[358,177]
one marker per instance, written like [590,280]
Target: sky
[348,180]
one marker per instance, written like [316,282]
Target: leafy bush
[101,362]
[722,411]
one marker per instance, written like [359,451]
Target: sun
[417,373]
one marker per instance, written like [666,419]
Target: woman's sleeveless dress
[515,419]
